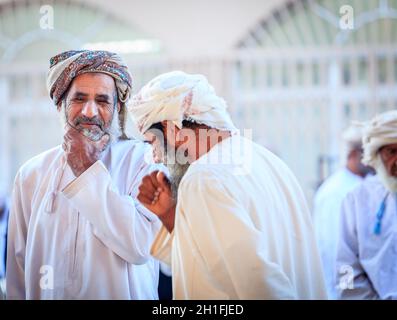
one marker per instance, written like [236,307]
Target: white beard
[389,182]
[114,130]
[177,171]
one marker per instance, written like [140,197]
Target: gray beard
[114,130]
[177,172]
[389,182]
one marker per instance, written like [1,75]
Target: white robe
[242,230]
[96,242]
[371,258]
[327,206]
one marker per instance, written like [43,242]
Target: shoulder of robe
[366,191]
[131,145]
[131,150]
[202,178]
[329,185]
[39,164]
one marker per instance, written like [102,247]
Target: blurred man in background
[236,223]
[76,230]
[329,197]
[366,265]
[3,238]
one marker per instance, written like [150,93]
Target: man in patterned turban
[65,67]
[76,230]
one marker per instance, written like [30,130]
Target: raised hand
[155,194]
[81,152]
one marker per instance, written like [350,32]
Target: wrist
[168,219]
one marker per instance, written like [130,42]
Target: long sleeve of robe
[241,235]
[86,238]
[120,226]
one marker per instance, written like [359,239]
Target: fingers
[148,197]
[72,136]
[147,184]
[150,190]
[148,193]
[103,142]
[71,131]
[145,200]
[162,179]
[106,138]
[153,178]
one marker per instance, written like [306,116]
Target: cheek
[72,113]
[158,152]
[392,166]
[106,116]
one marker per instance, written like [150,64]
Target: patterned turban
[65,66]
[379,132]
[178,96]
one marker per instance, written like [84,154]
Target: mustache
[86,120]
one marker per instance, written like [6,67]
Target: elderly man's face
[91,103]
[156,139]
[165,144]
[388,155]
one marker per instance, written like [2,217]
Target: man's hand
[81,152]
[155,194]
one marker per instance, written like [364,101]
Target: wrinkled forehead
[93,83]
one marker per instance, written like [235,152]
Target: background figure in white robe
[366,263]
[76,230]
[328,201]
[236,223]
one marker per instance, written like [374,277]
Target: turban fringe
[379,132]
[66,66]
[177,96]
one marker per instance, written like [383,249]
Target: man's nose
[156,157]
[90,109]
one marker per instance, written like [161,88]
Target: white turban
[353,135]
[178,96]
[352,138]
[379,132]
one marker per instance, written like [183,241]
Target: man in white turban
[76,229]
[235,221]
[366,262]
[329,197]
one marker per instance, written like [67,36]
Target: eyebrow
[150,139]
[80,94]
[103,96]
